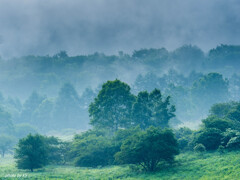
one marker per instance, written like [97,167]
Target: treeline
[134,130]
[68,109]
[48,73]
[192,95]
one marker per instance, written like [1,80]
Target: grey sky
[84,26]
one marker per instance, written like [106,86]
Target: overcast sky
[44,27]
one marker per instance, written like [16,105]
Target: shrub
[210,138]
[92,149]
[148,148]
[199,148]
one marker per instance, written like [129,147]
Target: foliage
[148,148]
[184,136]
[92,149]
[31,152]
[199,148]
[212,87]
[218,123]
[150,110]
[67,108]
[210,138]
[112,107]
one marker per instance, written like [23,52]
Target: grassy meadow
[188,166]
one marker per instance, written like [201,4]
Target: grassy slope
[188,166]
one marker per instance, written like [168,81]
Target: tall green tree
[112,107]
[152,110]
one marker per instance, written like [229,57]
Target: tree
[148,148]
[218,123]
[150,109]
[42,116]
[221,109]
[30,105]
[187,56]
[6,124]
[111,109]
[31,152]
[210,89]
[67,108]
[141,112]
[6,144]
[162,110]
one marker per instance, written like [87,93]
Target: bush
[218,123]
[199,148]
[234,143]
[92,149]
[148,148]
[210,138]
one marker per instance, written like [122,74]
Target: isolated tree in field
[112,107]
[152,110]
[148,148]
[31,152]
[6,144]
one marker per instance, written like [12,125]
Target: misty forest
[92,107]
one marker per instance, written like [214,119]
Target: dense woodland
[141,109]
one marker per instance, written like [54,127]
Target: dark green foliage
[199,148]
[152,110]
[57,150]
[234,143]
[234,115]
[218,123]
[112,107]
[221,109]
[92,149]
[228,134]
[210,138]
[36,151]
[148,148]
[31,152]
[184,136]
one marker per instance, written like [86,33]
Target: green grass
[188,166]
